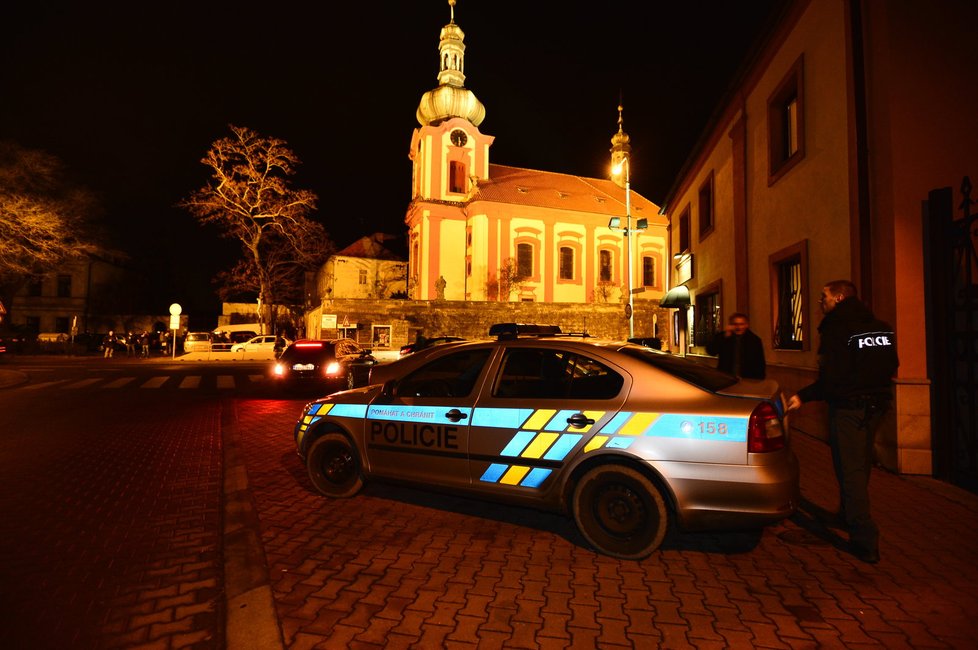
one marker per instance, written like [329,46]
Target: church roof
[560,191]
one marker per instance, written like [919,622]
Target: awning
[677,298]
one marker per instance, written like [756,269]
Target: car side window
[555,374]
[453,375]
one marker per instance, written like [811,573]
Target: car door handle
[579,421]
[455,415]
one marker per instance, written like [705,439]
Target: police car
[626,439]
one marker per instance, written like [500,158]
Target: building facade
[816,168]
[480,231]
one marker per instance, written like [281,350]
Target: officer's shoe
[867,555]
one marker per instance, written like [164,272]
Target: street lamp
[624,165]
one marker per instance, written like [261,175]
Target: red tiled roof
[561,191]
[371,247]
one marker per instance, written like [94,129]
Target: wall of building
[469,319]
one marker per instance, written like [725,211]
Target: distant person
[130,339]
[109,344]
[144,344]
[857,361]
[738,350]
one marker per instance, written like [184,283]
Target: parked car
[423,343]
[260,344]
[197,342]
[626,439]
[318,364]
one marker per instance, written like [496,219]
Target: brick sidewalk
[403,568]
[110,539]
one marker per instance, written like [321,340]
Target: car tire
[620,512]
[334,467]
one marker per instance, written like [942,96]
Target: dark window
[566,263]
[706,206]
[362,276]
[684,231]
[604,269]
[34,288]
[707,317]
[524,260]
[64,286]
[33,324]
[555,374]
[648,271]
[786,124]
[62,324]
[788,330]
[453,375]
[456,181]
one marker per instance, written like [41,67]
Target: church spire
[620,150]
[450,99]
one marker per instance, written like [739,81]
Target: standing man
[739,351]
[857,361]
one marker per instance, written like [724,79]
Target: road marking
[84,382]
[120,382]
[44,384]
[155,382]
[225,381]
[192,381]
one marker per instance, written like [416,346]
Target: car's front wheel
[620,511]
[333,466]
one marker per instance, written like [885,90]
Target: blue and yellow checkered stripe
[316,412]
[543,434]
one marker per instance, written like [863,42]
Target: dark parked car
[423,343]
[332,365]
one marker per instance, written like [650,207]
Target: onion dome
[451,98]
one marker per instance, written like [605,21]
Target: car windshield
[697,374]
[339,349]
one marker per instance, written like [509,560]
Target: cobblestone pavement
[110,533]
[395,567]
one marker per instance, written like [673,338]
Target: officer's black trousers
[851,434]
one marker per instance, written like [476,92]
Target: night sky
[131,96]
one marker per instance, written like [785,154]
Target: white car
[259,343]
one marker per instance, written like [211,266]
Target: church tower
[449,156]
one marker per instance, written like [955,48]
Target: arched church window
[604,266]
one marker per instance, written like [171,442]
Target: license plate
[303,366]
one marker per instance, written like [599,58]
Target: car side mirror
[387,391]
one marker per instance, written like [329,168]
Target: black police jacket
[856,355]
[752,364]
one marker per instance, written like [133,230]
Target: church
[481,231]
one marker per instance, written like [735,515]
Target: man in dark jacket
[857,361]
[739,351]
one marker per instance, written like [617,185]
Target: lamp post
[624,165]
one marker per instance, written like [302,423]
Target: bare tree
[604,290]
[44,220]
[249,199]
[511,280]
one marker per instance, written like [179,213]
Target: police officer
[857,360]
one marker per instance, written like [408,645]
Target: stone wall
[471,320]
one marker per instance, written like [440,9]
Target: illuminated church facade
[480,231]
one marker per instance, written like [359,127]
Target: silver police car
[627,439]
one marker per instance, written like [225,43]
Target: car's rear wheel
[334,467]
[620,511]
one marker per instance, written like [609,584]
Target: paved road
[182,518]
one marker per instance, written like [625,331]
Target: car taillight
[332,368]
[764,430]
[279,370]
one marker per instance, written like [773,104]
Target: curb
[251,621]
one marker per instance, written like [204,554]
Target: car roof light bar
[513,330]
